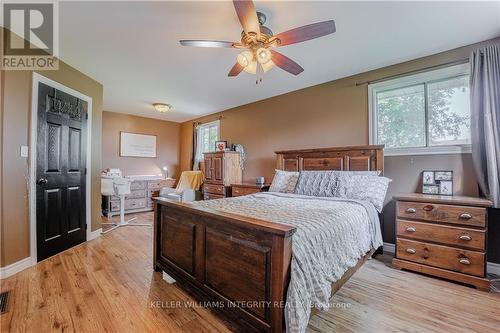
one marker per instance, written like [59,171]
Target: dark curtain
[485,119]
[194,163]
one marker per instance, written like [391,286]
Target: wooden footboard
[242,264]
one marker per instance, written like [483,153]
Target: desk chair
[121,187]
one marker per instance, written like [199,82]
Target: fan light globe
[244,58]
[267,66]
[251,68]
[263,55]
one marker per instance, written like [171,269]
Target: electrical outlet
[24,151]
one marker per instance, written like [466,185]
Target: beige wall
[167,144]
[330,114]
[16,108]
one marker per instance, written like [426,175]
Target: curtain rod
[421,70]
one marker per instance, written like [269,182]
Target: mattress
[332,235]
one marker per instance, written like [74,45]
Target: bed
[237,252]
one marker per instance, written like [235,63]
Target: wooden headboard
[352,158]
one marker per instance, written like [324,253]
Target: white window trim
[198,137]
[435,75]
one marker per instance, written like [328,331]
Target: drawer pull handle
[465,261]
[411,210]
[411,251]
[466,237]
[466,216]
[428,208]
[411,229]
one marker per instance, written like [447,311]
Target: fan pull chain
[259,80]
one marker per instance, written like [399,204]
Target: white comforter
[332,235]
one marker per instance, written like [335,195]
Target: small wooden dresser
[444,236]
[221,169]
[240,189]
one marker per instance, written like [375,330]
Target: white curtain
[485,119]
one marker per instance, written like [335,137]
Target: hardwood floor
[108,285]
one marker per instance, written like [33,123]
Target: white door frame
[37,78]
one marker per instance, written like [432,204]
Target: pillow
[358,173]
[317,183]
[284,181]
[364,187]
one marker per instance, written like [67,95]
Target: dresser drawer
[210,196]
[464,261]
[138,185]
[135,203]
[464,215]
[136,194]
[215,189]
[455,236]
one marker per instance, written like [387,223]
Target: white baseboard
[22,264]
[491,267]
[16,267]
[389,248]
[94,234]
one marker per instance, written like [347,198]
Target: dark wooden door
[60,174]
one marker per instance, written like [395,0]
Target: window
[426,113]
[207,135]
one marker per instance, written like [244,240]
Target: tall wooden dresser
[444,236]
[221,169]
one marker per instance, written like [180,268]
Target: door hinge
[86,225]
[87,116]
[85,171]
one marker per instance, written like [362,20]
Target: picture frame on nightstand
[437,182]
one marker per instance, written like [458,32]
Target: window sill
[437,150]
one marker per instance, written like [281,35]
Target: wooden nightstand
[444,236]
[240,189]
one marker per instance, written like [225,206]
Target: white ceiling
[132,47]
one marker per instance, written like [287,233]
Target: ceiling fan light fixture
[267,66]
[251,68]
[263,55]
[162,107]
[245,58]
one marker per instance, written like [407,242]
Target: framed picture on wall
[137,145]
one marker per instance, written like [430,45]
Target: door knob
[42,181]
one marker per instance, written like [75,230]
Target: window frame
[199,144]
[424,78]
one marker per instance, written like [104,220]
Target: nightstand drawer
[464,215]
[239,191]
[458,260]
[215,189]
[210,196]
[454,236]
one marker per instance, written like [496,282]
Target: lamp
[251,67]
[267,66]
[263,55]
[165,171]
[244,58]
[162,107]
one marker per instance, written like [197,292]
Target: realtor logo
[30,35]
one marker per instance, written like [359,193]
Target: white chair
[121,187]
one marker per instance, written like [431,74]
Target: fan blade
[206,43]
[237,68]
[306,32]
[286,63]
[247,15]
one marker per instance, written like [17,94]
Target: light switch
[24,151]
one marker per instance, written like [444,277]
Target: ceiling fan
[257,41]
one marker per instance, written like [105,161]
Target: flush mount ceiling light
[257,41]
[162,107]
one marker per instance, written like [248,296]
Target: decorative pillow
[317,183]
[364,187]
[284,181]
